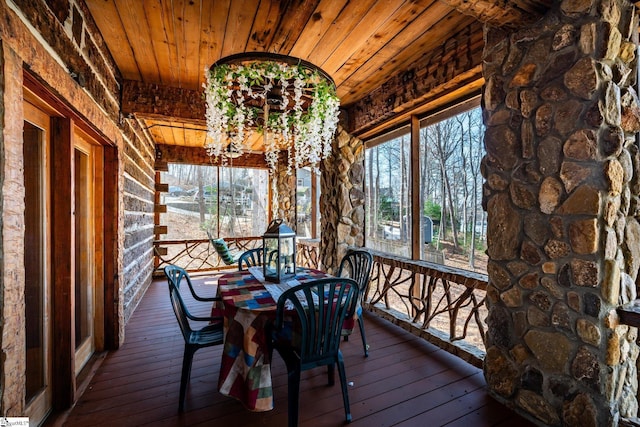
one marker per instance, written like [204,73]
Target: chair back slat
[180,310]
[357,265]
[320,307]
[250,258]
[174,274]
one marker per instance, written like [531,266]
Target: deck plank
[405,381]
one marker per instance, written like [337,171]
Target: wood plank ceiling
[360,43]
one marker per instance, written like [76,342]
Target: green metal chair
[250,258]
[194,339]
[357,264]
[307,333]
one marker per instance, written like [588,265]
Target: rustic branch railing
[441,304]
[308,253]
[199,254]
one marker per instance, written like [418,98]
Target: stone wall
[138,189]
[341,200]
[562,180]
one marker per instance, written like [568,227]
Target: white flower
[305,135]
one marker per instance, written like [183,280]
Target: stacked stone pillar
[285,192]
[562,186]
[341,200]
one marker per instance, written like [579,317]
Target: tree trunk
[374,191]
[201,207]
[403,193]
[447,188]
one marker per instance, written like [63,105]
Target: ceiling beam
[198,156]
[502,14]
[165,102]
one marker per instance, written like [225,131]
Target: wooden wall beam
[508,14]
[198,156]
[164,102]
[112,318]
[63,372]
[439,79]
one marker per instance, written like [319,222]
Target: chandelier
[291,102]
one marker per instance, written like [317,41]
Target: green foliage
[387,209]
[211,219]
[432,210]
[211,189]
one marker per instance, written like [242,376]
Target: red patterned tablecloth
[245,373]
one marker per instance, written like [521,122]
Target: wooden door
[37,261]
[88,283]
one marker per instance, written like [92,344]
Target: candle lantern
[279,244]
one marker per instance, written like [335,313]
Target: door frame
[64,381]
[42,403]
[86,145]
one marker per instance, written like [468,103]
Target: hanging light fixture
[291,102]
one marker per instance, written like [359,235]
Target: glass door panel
[84,253]
[37,265]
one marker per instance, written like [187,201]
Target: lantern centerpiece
[279,249]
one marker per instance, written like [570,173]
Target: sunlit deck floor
[405,381]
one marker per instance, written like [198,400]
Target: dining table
[249,308]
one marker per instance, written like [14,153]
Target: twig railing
[200,255]
[442,304]
[308,253]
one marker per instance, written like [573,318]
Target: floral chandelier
[291,102]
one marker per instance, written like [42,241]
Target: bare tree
[403,200]
[444,145]
[464,171]
[201,200]
[373,190]
[450,152]
[475,132]
[259,211]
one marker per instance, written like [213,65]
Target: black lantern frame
[279,251]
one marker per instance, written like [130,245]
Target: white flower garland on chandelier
[293,106]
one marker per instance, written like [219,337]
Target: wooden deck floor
[404,382]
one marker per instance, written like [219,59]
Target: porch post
[341,200]
[12,266]
[562,187]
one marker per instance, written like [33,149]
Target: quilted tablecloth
[249,308]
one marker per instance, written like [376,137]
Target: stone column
[285,192]
[341,200]
[562,186]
